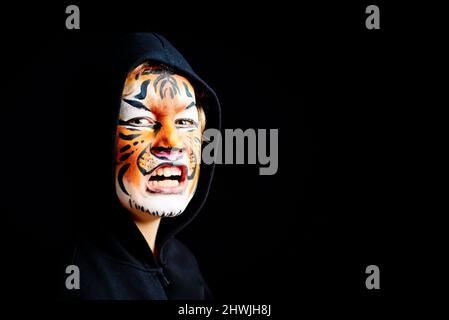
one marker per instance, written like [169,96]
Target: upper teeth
[167,171]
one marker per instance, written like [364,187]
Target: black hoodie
[114,260]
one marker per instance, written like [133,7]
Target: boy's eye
[185,122]
[141,122]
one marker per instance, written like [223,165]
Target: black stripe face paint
[186,88]
[136,104]
[129,136]
[123,149]
[166,83]
[126,156]
[143,90]
[120,174]
[192,104]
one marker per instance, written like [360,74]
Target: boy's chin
[161,205]
[155,204]
[160,212]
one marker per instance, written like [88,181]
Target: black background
[348,105]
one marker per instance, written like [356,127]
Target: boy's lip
[167,178]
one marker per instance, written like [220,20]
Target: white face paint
[158,143]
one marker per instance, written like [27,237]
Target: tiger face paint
[158,144]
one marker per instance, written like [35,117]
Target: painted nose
[164,153]
[166,135]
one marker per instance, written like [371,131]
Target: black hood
[134,49]
[110,58]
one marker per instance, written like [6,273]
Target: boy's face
[158,146]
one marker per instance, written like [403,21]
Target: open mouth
[167,178]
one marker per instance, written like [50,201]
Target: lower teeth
[164,183]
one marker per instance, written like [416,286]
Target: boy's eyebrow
[192,104]
[137,104]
